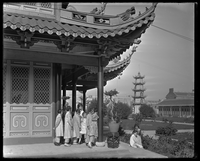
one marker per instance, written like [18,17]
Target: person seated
[135,139]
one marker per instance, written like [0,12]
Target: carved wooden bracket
[66,43]
[25,40]
[106,45]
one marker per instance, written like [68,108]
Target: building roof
[184,94]
[110,71]
[83,29]
[176,102]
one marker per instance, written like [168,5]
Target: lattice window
[46,5]
[42,85]
[4,84]
[19,85]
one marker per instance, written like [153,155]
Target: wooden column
[100,100]
[58,86]
[84,99]
[180,111]
[74,81]
[190,110]
[64,93]
[171,110]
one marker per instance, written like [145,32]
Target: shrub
[121,131]
[164,146]
[137,118]
[166,131]
[165,120]
[147,111]
[123,110]
[93,104]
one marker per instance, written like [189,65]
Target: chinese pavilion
[49,47]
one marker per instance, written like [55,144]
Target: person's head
[78,111]
[135,132]
[92,110]
[80,106]
[68,108]
[84,114]
[136,128]
[59,111]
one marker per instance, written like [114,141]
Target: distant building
[177,104]
[138,91]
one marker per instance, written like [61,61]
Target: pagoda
[138,97]
[49,47]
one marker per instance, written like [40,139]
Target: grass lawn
[150,125]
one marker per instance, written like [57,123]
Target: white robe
[135,142]
[59,128]
[68,125]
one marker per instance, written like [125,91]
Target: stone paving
[48,150]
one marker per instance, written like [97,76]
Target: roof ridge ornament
[127,14]
[100,11]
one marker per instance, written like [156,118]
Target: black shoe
[57,144]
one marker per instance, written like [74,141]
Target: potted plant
[113,118]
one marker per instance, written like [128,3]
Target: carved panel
[41,121]
[22,134]
[19,121]
[41,108]
[4,121]
[41,133]
[18,108]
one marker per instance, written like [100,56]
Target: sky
[166,60]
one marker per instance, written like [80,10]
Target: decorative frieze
[41,133]
[19,134]
[18,108]
[41,108]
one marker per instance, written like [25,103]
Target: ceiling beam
[53,57]
[77,73]
[82,88]
[87,83]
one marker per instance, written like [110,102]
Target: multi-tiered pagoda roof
[78,34]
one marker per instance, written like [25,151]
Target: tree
[111,93]
[93,104]
[111,112]
[147,111]
[123,110]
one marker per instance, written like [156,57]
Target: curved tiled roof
[176,102]
[111,71]
[51,26]
[112,67]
